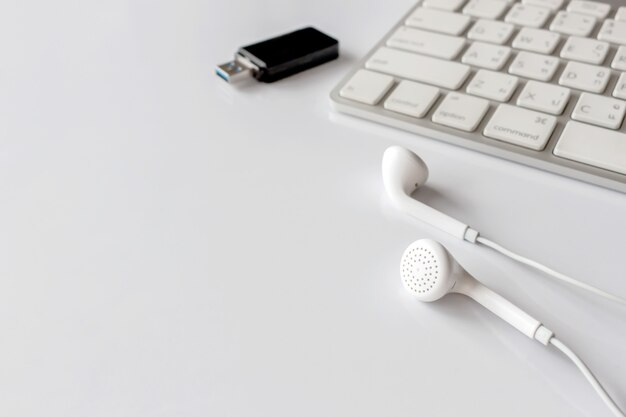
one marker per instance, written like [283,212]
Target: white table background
[173,246]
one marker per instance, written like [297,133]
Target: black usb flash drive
[280,57]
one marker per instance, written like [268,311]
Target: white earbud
[403,173]
[429,272]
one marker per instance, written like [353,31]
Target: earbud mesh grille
[419,270]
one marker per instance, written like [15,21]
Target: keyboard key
[620,87]
[419,68]
[585,50]
[438,21]
[585,77]
[486,55]
[526,15]
[598,110]
[621,14]
[461,112]
[549,4]
[490,31]
[535,66]
[367,87]
[427,43]
[573,24]
[592,8]
[412,99]
[487,9]
[536,40]
[521,127]
[544,97]
[613,31]
[619,62]
[450,5]
[594,146]
[492,85]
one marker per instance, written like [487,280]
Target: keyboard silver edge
[544,160]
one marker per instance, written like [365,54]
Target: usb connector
[234,71]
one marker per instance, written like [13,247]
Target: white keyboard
[540,82]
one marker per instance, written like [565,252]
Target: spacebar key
[415,67]
[592,145]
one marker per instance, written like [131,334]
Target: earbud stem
[498,305]
[435,218]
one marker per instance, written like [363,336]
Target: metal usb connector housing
[237,70]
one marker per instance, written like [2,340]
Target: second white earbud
[403,173]
[429,272]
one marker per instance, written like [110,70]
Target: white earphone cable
[589,376]
[549,271]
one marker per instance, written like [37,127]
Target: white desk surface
[172,246]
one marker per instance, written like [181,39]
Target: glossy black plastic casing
[289,54]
